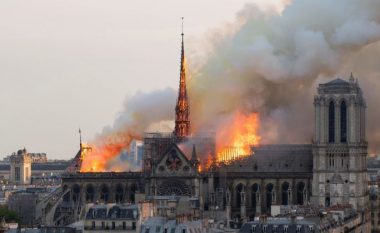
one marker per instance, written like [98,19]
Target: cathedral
[329,171]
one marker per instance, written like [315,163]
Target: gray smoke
[271,63]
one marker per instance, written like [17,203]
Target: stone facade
[21,168]
[340,146]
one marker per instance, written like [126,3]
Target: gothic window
[90,193]
[174,187]
[300,193]
[331,122]
[285,193]
[119,191]
[76,192]
[254,193]
[343,122]
[269,196]
[239,189]
[104,193]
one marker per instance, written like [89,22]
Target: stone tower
[340,146]
[21,168]
[182,109]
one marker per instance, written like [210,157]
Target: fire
[97,157]
[234,140]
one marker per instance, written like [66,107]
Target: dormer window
[253,230]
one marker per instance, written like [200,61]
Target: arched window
[269,196]
[104,193]
[343,122]
[239,189]
[255,194]
[285,193]
[331,122]
[90,193]
[300,193]
[76,192]
[119,193]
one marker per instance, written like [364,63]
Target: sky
[66,64]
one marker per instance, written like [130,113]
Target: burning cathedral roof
[280,158]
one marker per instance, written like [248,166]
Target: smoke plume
[141,112]
[269,62]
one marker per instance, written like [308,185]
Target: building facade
[340,146]
[20,169]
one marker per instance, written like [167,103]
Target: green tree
[10,216]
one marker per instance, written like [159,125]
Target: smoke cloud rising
[270,62]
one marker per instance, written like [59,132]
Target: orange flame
[234,140]
[96,158]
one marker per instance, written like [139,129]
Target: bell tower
[182,109]
[340,146]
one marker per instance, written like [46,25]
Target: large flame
[98,157]
[234,139]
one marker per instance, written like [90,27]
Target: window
[311,228]
[264,228]
[124,226]
[184,230]
[286,229]
[103,225]
[113,225]
[343,122]
[331,122]
[93,224]
[253,229]
[298,230]
[275,228]
[172,209]
[17,174]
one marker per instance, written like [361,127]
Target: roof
[339,86]
[337,81]
[279,225]
[285,159]
[119,211]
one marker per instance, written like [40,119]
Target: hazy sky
[66,64]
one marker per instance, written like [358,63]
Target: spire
[183,55]
[352,79]
[193,154]
[80,139]
[182,110]
[194,160]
